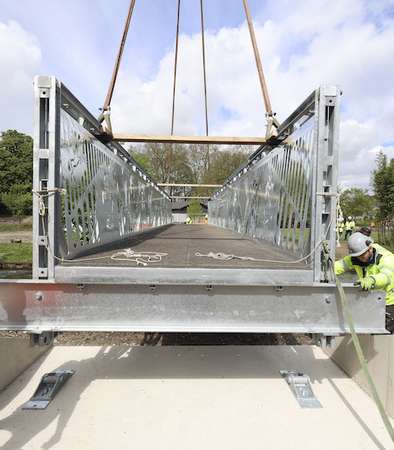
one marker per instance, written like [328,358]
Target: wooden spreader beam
[227,140]
[179,197]
[189,185]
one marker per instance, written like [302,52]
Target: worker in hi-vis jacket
[350,225]
[374,266]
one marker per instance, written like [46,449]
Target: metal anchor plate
[300,385]
[49,386]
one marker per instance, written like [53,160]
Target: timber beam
[178,197]
[227,140]
[189,185]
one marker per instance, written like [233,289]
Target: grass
[10,227]
[11,224]
[16,253]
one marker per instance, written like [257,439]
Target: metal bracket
[49,386]
[43,240]
[46,337]
[300,385]
[324,341]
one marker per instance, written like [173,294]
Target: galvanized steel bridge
[92,199]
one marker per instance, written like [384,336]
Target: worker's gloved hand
[367,283]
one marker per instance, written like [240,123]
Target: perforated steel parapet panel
[106,198]
[271,199]
[87,193]
[286,194]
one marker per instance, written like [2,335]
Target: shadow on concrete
[226,339]
[346,350]
[8,395]
[357,416]
[171,362]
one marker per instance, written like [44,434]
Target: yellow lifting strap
[361,357]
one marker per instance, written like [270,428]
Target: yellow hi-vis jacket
[382,270]
[350,225]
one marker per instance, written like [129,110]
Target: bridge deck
[182,242]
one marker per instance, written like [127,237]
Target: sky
[303,44]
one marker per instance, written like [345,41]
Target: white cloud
[358,151]
[20,60]
[350,47]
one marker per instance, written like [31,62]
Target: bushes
[194,209]
[16,173]
[18,201]
[383,184]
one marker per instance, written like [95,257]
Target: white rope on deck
[225,257]
[141,258]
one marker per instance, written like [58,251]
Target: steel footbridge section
[89,193]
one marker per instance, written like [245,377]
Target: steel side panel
[162,275]
[98,307]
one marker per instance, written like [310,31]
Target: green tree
[166,163]
[383,185]
[16,159]
[194,209]
[18,200]
[144,161]
[222,164]
[194,163]
[356,202]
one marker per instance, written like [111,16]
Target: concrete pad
[190,398]
[379,354]
[16,355]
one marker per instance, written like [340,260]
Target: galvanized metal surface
[87,193]
[189,308]
[271,200]
[49,386]
[106,197]
[185,276]
[286,194]
[300,385]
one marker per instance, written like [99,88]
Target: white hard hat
[350,217]
[358,244]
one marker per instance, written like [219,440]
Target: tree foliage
[383,185]
[165,163]
[18,200]
[194,209]
[222,165]
[16,172]
[196,163]
[16,159]
[356,202]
